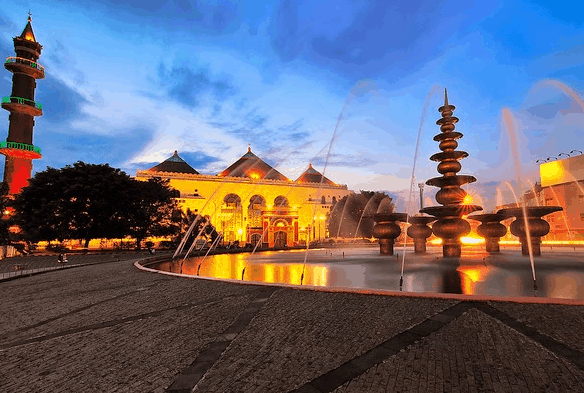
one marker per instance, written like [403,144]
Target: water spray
[426,103]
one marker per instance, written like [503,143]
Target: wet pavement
[111,327]
[559,272]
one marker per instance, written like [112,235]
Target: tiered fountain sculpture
[386,229]
[450,227]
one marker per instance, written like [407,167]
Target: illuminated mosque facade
[251,201]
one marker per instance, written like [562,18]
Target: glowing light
[240,231]
[28,36]
[254,175]
[467,200]
[471,240]
[470,276]
[552,173]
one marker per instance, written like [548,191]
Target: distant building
[562,184]
[250,200]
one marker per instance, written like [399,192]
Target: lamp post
[421,186]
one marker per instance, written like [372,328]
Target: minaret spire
[18,147]
[445,97]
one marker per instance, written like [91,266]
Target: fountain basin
[506,275]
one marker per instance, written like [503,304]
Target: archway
[232,218]
[280,239]
[254,211]
[280,201]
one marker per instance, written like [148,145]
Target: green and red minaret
[18,147]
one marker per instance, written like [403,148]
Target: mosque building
[250,199]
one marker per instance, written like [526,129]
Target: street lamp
[421,186]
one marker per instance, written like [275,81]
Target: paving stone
[108,327]
[477,353]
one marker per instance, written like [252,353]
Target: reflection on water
[366,268]
[565,286]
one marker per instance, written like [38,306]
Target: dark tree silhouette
[348,217]
[88,201]
[208,231]
[153,210]
[5,222]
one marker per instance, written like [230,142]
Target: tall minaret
[18,147]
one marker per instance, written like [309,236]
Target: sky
[347,86]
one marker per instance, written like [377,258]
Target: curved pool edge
[142,265]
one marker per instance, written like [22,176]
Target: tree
[4,223]
[202,226]
[153,210]
[88,201]
[349,216]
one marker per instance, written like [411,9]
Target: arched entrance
[232,218]
[280,239]
[255,239]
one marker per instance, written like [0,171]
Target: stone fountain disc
[451,210]
[448,135]
[532,211]
[488,217]
[457,180]
[449,155]
[381,217]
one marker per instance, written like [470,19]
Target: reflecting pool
[560,273]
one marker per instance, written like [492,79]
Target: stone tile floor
[110,327]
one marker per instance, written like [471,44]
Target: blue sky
[130,82]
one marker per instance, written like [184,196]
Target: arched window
[323,200]
[281,201]
[254,210]
[232,201]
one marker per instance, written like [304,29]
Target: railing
[20,100]
[22,60]
[21,146]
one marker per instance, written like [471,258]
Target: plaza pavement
[107,326]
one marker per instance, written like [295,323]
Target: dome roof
[174,164]
[252,167]
[311,175]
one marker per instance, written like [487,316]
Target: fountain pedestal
[386,230]
[536,227]
[491,229]
[420,231]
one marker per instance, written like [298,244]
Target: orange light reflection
[470,276]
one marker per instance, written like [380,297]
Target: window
[323,200]
[582,216]
[580,198]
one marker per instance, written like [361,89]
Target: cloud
[344,160]
[61,104]
[191,86]
[199,159]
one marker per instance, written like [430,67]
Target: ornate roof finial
[445,97]
[249,147]
[29,16]
[176,153]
